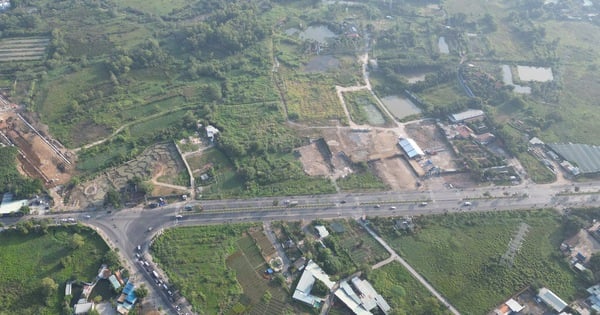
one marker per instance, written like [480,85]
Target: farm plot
[254,287]
[23,48]
[362,248]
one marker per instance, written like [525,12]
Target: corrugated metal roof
[586,157]
[552,299]
[468,114]
[410,147]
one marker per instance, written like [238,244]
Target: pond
[400,107]
[507,79]
[374,115]
[319,33]
[322,64]
[443,46]
[538,74]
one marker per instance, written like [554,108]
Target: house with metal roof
[552,300]
[312,272]
[467,116]
[410,148]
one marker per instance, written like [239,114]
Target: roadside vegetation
[461,255]
[37,260]
[11,180]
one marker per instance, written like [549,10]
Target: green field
[362,248]
[459,255]
[403,292]
[27,259]
[218,269]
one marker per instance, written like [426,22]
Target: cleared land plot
[23,49]
[429,137]
[469,247]
[27,259]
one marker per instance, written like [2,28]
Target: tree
[25,209]
[141,292]
[48,287]
[112,198]
[76,241]
[319,289]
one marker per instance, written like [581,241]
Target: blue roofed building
[127,299]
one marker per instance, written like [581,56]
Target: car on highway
[179,216]
[377,206]
[423,204]
[467,204]
[393,208]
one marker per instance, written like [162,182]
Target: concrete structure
[68,287]
[10,206]
[83,307]
[467,116]
[312,272]
[322,231]
[552,300]
[410,147]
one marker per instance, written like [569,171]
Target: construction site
[337,149]
[39,156]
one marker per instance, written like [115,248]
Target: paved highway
[128,228]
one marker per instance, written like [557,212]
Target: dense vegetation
[11,180]
[37,260]
[460,254]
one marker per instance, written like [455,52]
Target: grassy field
[27,259]
[218,269]
[22,49]
[361,181]
[460,255]
[311,100]
[362,248]
[403,292]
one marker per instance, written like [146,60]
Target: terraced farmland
[23,49]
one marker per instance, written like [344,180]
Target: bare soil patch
[37,159]
[345,147]
[430,139]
